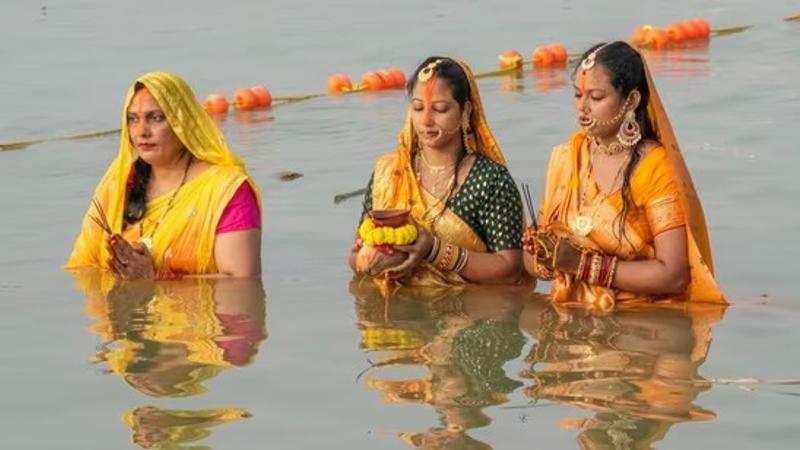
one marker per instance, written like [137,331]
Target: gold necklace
[440,202]
[434,169]
[148,240]
[434,187]
[582,223]
[614,148]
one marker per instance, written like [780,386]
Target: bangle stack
[447,256]
[597,269]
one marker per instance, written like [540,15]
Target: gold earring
[465,134]
[629,133]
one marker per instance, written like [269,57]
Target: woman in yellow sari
[175,200]
[450,173]
[620,219]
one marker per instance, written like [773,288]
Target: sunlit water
[318,366]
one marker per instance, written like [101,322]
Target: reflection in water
[550,78]
[636,370]
[462,337]
[154,427]
[512,82]
[165,339]
[691,60]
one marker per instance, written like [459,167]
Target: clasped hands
[551,252]
[129,260]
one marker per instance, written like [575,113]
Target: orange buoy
[678,32]
[658,39]
[703,26]
[372,81]
[338,83]
[388,79]
[262,95]
[542,56]
[216,104]
[559,53]
[510,59]
[692,30]
[398,78]
[641,34]
[245,99]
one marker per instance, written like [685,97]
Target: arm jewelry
[597,269]
[447,256]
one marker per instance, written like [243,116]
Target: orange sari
[664,198]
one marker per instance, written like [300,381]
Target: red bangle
[604,264]
[587,266]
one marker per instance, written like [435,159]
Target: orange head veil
[703,287]
[403,191]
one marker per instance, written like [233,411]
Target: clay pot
[389,217]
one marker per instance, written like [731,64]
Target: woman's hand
[129,261]
[417,252]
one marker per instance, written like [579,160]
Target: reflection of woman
[620,190]
[637,370]
[154,427]
[449,171]
[178,196]
[165,339]
[462,341]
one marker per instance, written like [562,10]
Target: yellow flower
[372,235]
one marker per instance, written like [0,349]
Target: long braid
[136,198]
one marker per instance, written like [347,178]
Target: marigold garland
[372,235]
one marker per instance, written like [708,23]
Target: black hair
[136,189]
[449,71]
[626,70]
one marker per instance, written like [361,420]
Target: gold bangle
[463,261]
[445,260]
[581,265]
[594,276]
[611,271]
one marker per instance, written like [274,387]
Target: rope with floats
[674,36]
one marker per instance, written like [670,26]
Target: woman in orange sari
[176,200]
[450,174]
[620,219]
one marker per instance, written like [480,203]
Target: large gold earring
[629,133]
[466,129]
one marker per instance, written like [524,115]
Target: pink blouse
[241,213]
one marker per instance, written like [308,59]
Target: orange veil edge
[703,287]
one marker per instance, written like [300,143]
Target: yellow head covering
[404,192]
[202,139]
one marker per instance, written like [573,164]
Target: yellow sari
[184,241]
[395,186]
[664,198]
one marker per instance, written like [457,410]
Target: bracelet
[434,253]
[446,257]
[581,265]
[586,265]
[462,261]
[605,262]
[594,275]
[611,271]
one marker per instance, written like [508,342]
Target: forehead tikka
[427,72]
[589,61]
